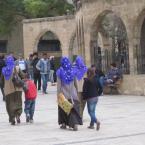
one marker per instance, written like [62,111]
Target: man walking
[44,66]
[2,64]
[30,67]
[22,64]
[36,72]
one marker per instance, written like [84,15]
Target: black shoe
[63,126]
[18,119]
[10,120]
[27,119]
[75,128]
[13,122]
[91,127]
[98,126]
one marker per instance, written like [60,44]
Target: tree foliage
[13,11]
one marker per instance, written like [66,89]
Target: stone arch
[94,38]
[43,32]
[47,41]
[107,52]
[139,44]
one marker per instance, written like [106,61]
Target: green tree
[14,11]
[46,8]
[11,11]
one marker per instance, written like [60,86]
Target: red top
[31,93]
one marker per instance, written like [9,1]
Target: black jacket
[2,64]
[91,88]
[52,65]
[34,62]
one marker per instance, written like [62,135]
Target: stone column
[87,55]
[65,48]
[80,33]
[132,52]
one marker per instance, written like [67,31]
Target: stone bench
[113,88]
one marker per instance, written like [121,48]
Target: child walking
[91,90]
[30,98]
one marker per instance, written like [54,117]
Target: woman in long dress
[13,95]
[66,84]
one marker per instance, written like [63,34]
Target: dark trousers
[37,79]
[29,108]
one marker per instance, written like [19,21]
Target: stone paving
[122,123]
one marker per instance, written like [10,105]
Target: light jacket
[41,66]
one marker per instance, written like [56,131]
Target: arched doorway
[139,37]
[114,39]
[49,43]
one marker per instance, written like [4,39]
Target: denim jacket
[41,66]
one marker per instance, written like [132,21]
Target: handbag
[64,104]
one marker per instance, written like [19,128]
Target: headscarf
[7,71]
[66,72]
[79,67]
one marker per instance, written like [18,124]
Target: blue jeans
[44,78]
[91,105]
[31,75]
[29,108]
[102,81]
[51,78]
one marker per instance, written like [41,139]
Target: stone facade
[75,34]
[63,27]
[14,40]
[132,13]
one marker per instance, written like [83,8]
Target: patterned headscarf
[8,69]
[66,72]
[79,67]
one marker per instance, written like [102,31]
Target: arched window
[115,42]
[49,43]
[141,52]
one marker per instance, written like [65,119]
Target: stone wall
[132,13]
[63,27]
[128,11]
[133,85]
[83,25]
[15,40]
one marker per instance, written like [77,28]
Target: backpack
[31,92]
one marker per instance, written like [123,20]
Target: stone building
[13,42]
[82,34]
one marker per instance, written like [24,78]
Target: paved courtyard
[122,123]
